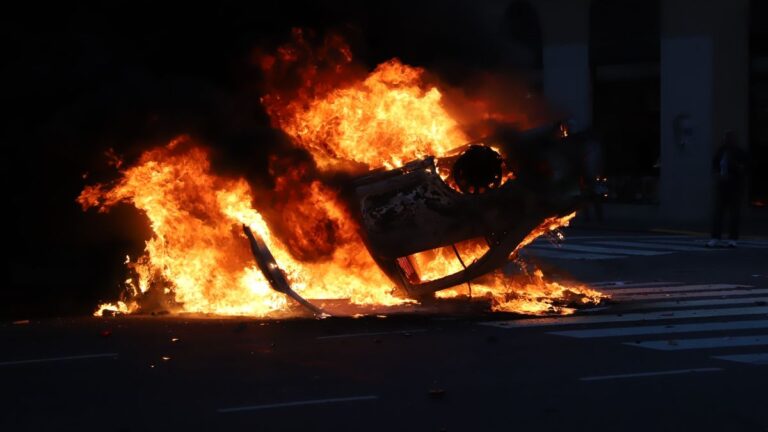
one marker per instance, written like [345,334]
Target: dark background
[80,79]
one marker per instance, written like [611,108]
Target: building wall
[704,75]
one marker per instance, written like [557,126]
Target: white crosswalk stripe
[720,319]
[619,246]
[566,255]
[630,317]
[625,284]
[702,343]
[701,242]
[757,358]
[664,329]
[567,247]
[681,288]
[646,245]
[760,301]
[693,294]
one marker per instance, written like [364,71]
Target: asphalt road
[683,347]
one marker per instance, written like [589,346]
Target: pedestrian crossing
[716,319]
[624,246]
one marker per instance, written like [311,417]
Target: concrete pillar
[566,78]
[704,78]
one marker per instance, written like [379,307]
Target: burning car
[424,210]
[470,197]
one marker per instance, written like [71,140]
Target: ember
[198,259]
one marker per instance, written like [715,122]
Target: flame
[550,224]
[436,263]
[199,258]
[391,110]
[199,254]
[528,293]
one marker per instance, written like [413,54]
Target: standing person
[594,187]
[729,165]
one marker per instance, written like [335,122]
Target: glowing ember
[199,259]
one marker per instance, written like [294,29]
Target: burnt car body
[438,202]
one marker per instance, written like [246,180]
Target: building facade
[660,82]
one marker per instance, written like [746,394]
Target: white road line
[702,343]
[680,288]
[663,329]
[602,283]
[530,251]
[650,316]
[758,244]
[628,236]
[620,284]
[597,249]
[296,403]
[55,359]
[645,245]
[757,358]
[700,243]
[649,374]
[723,293]
[757,301]
[370,334]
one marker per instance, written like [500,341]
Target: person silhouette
[728,166]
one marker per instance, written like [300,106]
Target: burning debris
[421,212]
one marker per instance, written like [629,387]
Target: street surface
[683,346]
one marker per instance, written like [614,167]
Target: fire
[390,110]
[528,292]
[198,257]
[198,253]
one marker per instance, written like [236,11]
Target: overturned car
[501,192]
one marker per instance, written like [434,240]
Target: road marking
[648,374]
[370,334]
[759,244]
[628,236]
[757,358]
[701,243]
[55,359]
[296,403]
[546,253]
[663,329]
[702,343]
[681,288]
[645,245]
[723,293]
[604,250]
[625,284]
[651,316]
[758,301]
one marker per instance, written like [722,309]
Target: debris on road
[436,393]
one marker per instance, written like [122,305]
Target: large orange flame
[384,120]
[198,252]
